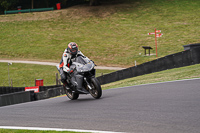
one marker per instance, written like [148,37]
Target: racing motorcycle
[82,80]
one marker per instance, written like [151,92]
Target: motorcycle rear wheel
[71,95]
[96,91]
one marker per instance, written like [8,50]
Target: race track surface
[171,107]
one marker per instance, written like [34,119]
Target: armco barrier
[15,98]
[51,92]
[189,46]
[6,90]
[195,54]
[185,58]
[25,96]
[44,88]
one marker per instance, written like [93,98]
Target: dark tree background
[94,2]
[30,4]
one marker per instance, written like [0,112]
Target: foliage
[8,4]
[27,4]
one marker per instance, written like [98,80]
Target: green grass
[111,35]
[23,75]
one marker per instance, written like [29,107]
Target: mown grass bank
[111,34]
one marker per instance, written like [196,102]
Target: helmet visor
[73,51]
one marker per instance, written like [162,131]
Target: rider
[70,53]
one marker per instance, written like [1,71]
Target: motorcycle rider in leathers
[70,53]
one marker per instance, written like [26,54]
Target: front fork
[88,85]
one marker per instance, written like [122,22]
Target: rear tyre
[96,90]
[71,95]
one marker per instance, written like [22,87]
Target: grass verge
[188,72]
[23,75]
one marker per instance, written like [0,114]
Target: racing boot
[66,86]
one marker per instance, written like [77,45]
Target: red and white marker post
[156,35]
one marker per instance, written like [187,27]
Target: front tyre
[96,90]
[71,95]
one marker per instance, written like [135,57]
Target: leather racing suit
[66,62]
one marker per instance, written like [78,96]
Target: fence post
[56,78]
[11,83]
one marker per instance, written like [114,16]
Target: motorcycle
[82,80]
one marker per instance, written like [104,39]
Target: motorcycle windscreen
[85,68]
[81,60]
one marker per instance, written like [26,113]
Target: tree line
[31,4]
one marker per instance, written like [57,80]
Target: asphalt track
[171,107]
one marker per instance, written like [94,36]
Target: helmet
[72,48]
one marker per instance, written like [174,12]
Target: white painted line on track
[54,129]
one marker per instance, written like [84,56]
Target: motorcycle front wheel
[96,90]
[71,95]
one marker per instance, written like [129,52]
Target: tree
[7,4]
[32,3]
[94,2]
